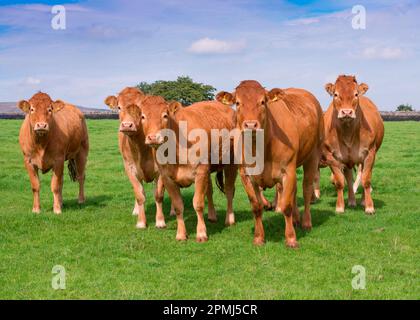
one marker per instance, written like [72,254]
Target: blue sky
[108,45]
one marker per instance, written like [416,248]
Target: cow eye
[336,95]
[356,94]
[32,110]
[49,110]
[143,117]
[165,116]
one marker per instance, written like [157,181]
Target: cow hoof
[259,241]
[212,219]
[81,201]
[141,225]
[317,194]
[230,220]
[57,212]
[36,211]
[352,204]
[370,211]
[135,213]
[181,237]
[339,210]
[202,238]
[268,207]
[172,213]
[307,227]
[293,244]
[160,224]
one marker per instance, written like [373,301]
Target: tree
[405,107]
[184,90]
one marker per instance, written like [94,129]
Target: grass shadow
[95,201]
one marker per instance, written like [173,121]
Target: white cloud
[214,46]
[386,53]
[32,81]
[302,22]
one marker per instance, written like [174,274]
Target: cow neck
[139,139]
[40,142]
[348,133]
[174,126]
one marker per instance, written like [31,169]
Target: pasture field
[105,257]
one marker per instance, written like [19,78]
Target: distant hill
[10,108]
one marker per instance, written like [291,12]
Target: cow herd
[294,131]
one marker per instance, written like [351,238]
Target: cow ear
[174,106]
[275,94]
[111,102]
[24,106]
[225,98]
[363,88]
[58,105]
[330,88]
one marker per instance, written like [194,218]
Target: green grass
[106,257]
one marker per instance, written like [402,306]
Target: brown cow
[138,158]
[53,132]
[293,130]
[354,132]
[158,115]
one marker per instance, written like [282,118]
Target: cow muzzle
[41,128]
[154,140]
[347,114]
[252,125]
[128,127]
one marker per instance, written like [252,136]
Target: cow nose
[347,112]
[151,137]
[127,125]
[41,126]
[250,125]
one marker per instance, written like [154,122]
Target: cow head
[155,114]
[251,103]
[128,105]
[40,109]
[346,93]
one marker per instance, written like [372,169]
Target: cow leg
[138,196]
[80,167]
[231,173]
[178,204]
[57,186]
[159,193]
[310,171]
[172,212]
[211,215]
[35,185]
[201,183]
[348,173]
[277,198]
[287,205]
[317,189]
[366,181]
[253,192]
[337,179]
[296,213]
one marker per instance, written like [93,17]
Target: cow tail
[219,181]
[72,169]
